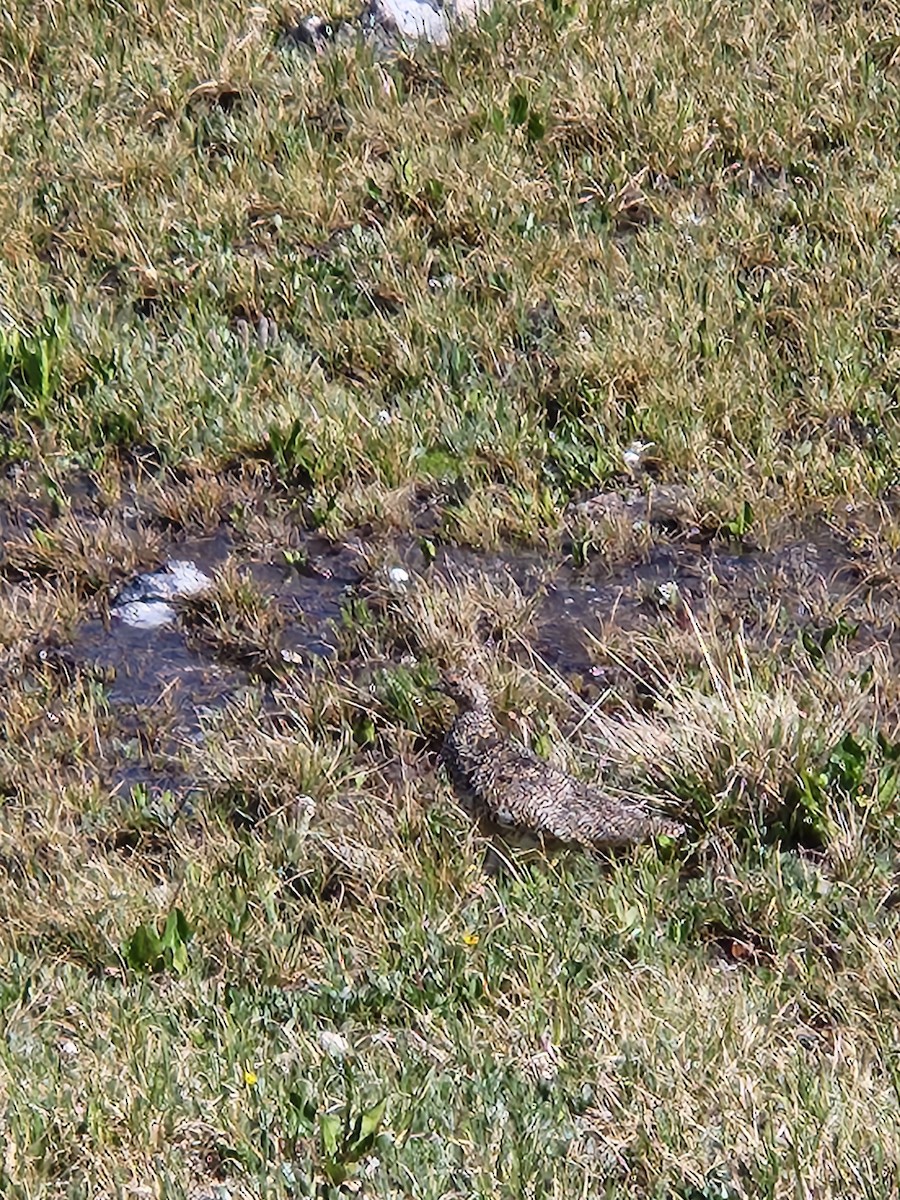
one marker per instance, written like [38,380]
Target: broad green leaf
[371,1119]
[330,1127]
[143,948]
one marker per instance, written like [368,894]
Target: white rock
[633,455]
[467,12]
[145,614]
[414,20]
[398,576]
[146,602]
[180,579]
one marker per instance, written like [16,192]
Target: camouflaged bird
[517,794]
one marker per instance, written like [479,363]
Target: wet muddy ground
[801,589]
[811,589]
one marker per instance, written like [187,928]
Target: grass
[683,231]
[406,321]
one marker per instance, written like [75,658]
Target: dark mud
[311,592]
[775,595]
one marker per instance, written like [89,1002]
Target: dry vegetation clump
[80,550]
[35,616]
[749,740]
[201,503]
[237,621]
[449,617]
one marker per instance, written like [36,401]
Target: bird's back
[513,790]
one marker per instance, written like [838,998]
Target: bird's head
[468,692]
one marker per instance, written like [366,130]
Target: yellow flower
[250,1078]
[470,939]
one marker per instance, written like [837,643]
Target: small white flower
[291,656]
[68,1048]
[398,576]
[668,593]
[633,455]
[384,417]
[335,1045]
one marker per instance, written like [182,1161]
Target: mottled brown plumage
[516,793]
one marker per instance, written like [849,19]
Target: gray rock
[661,504]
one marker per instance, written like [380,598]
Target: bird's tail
[636,823]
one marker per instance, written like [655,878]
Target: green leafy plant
[522,115]
[346,1137]
[292,453]
[149,950]
[842,774]
[741,524]
[296,558]
[398,691]
[346,1133]
[816,642]
[30,363]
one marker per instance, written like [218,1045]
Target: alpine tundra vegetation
[564,351]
